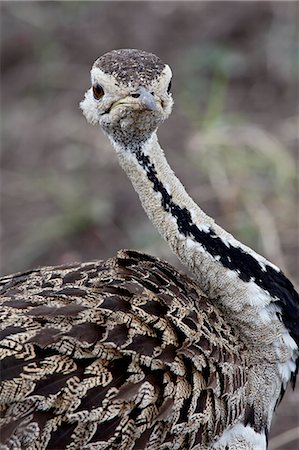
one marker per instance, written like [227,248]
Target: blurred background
[232,138]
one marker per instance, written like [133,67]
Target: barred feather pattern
[120,354]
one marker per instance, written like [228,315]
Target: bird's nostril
[136,95]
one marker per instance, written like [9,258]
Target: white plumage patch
[89,108]
[287,366]
[240,437]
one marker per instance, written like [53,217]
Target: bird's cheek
[89,108]
[167,105]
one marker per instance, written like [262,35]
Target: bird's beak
[146,98]
[143,96]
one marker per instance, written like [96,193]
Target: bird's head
[129,96]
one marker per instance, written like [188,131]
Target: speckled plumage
[130,66]
[122,354]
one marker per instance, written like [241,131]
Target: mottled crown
[131,66]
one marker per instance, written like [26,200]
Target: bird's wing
[122,354]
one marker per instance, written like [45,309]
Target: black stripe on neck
[233,258]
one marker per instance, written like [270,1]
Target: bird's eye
[98,91]
[169,87]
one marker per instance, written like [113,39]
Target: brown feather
[126,353]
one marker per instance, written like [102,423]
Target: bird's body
[116,350]
[128,353]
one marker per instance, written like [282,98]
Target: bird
[129,353]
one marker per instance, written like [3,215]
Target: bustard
[129,353]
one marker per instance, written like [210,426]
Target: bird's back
[122,354]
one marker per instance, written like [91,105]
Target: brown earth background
[232,138]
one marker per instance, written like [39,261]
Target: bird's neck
[231,274]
